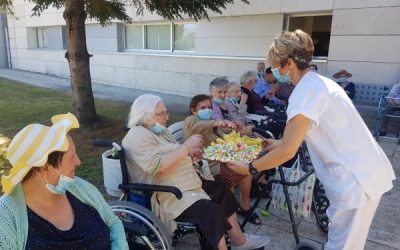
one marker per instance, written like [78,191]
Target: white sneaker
[252,242]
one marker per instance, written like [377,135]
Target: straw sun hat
[342,73]
[32,145]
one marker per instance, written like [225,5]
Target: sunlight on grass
[22,104]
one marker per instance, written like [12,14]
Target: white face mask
[342,79]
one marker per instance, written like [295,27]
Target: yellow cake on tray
[233,147]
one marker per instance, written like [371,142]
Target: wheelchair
[144,230]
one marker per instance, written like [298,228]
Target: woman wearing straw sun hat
[342,78]
[45,206]
[347,160]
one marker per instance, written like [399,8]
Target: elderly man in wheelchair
[154,157]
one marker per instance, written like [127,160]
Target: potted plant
[112,175]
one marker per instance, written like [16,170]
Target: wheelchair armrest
[153,188]
[257,118]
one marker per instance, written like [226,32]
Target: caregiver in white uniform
[347,160]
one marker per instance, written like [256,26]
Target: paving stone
[280,239]
[383,237]
[391,198]
[376,246]
[387,218]
[397,153]
[388,146]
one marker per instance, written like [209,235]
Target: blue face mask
[234,100]
[218,101]
[157,128]
[279,77]
[205,114]
[62,186]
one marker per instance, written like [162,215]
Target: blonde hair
[296,45]
[142,109]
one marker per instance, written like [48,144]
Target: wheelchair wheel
[144,230]
[319,207]
[322,223]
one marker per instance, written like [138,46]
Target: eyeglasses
[164,113]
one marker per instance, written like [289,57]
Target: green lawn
[21,104]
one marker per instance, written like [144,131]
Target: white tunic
[347,159]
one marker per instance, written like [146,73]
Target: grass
[22,104]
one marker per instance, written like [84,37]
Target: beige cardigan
[144,151]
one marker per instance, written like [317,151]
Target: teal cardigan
[14,218]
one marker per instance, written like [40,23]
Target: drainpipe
[4,28]
[7,42]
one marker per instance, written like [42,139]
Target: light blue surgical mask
[234,100]
[218,101]
[62,186]
[279,77]
[204,114]
[157,128]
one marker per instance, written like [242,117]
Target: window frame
[124,38]
[43,39]
[173,38]
[287,22]
[144,33]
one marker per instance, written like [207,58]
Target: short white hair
[218,83]
[233,84]
[142,109]
[247,76]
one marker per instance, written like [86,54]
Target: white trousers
[348,229]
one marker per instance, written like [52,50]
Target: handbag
[300,196]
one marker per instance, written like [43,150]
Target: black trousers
[211,215]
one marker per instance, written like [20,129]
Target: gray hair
[142,109]
[261,64]
[218,83]
[233,84]
[247,76]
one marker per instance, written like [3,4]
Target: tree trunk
[78,59]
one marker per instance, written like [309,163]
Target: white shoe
[253,242]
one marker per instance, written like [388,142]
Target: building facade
[183,56]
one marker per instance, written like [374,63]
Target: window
[41,38]
[184,36]
[158,37]
[64,37]
[170,37]
[134,37]
[319,27]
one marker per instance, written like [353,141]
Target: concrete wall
[3,43]
[365,40]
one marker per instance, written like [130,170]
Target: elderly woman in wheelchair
[154,157]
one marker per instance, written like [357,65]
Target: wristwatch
[252,169]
